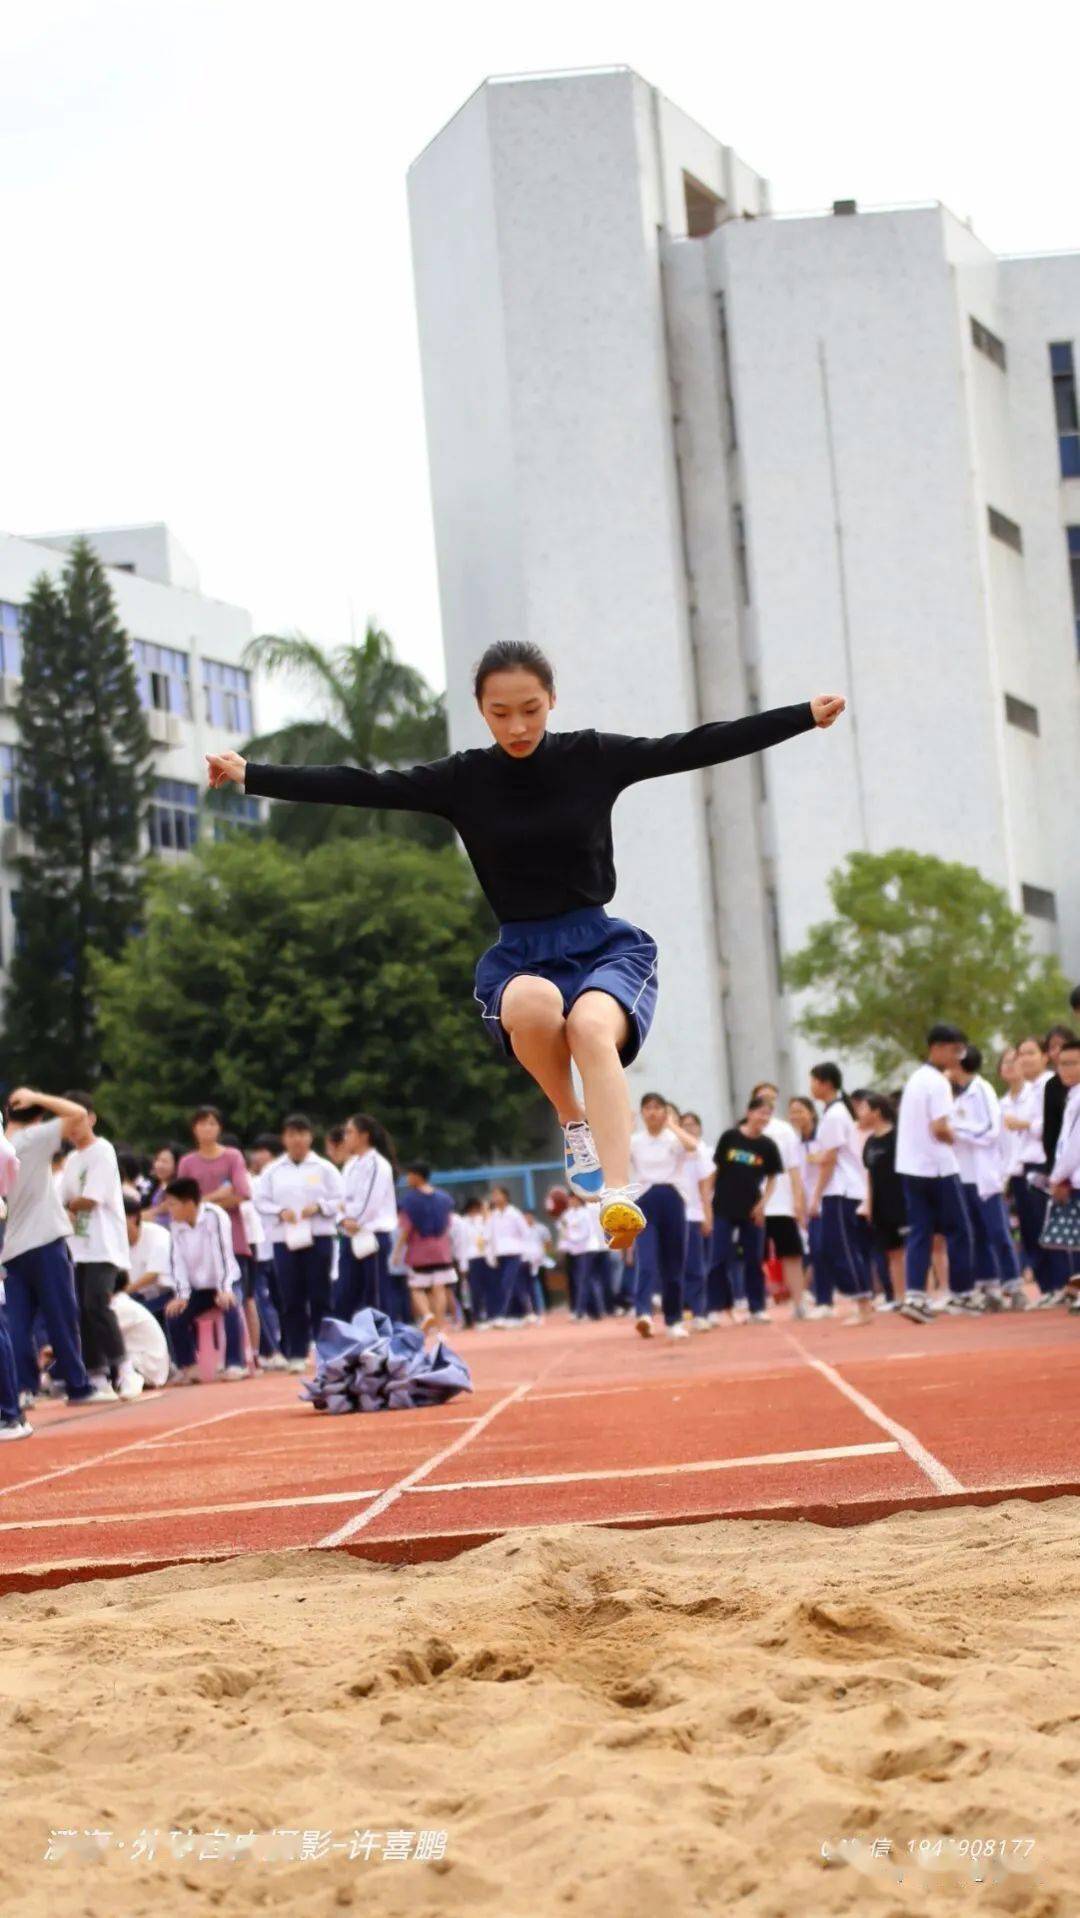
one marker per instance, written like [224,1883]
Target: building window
[702,208]
[10,638]
[1005,528]
[164,679]
[1039,903]
[9,787]
[1063,376]
[988,342]
[227,695]
[1019,713]
[1072,534]
[174,816]
[239,813]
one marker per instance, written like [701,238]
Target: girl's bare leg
[419,1301]
[896,1272]
[531,1012]
[596,1027]
[438,1305]
[794,1279]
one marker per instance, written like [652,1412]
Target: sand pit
[626,1723]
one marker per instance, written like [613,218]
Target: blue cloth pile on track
[370,1364]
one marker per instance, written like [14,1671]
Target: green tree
[334,981]
[371,710]
[85,771]
[914,939]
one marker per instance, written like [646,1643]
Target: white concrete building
[711,459]
[198,697]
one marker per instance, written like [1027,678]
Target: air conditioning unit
[164,728]
[9,690]
[14,844]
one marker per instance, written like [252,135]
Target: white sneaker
[621,1219]
[102,1391]
[701,1325]
[532,1318]
[1047,1300]
[676,1332]
[234,1372]
[500,1325]
[295,1365]
[759,1318]
[26,1399]
[800,1310]
[917,1308]
[716,1318]
[821,1312]
[583,1170]
[643,1326]
[1017,1299]
[129,1382]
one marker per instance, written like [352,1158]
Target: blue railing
[520,1179]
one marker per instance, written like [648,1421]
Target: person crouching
[206,1277]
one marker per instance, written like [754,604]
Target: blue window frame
[164,678]
[9,786]
[227,696]
[10,638]
[174,816]
[240,813]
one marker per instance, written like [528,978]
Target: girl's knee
[595,1023]
[531,1002]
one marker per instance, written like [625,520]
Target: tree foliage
[85,772]
[914,939]
[371,710]
[334,981]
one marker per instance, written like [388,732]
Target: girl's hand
[826,708]
[228,766]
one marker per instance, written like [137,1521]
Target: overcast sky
[206,312]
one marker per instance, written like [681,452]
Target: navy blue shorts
[579,952]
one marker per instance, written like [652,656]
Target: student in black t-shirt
[747,1163]
[565,985]
[888,1205]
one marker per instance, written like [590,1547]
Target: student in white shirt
[977,1134]
[474,1262]
[697,1176]
[369,1218]
[536,1252]
[150,1281]
[1029,1185]
[926,1160]
[300,1199]
[37,1266]
[839,1191]
[266,1148]
[205,1277]
[657,1155]
[786,1205]
[1065,1171]
[12,1423]
[509,1240]
[91,1192]
[145,1343]
[582,1245]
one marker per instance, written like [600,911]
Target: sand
[626,1723]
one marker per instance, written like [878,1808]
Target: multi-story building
[714,459]
[188,650]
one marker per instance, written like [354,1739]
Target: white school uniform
[657,1159]
[976,1121]
[927,1096]
[508,1233]
[144,1341]
[369,1194]
[1014,1105]
[100,1235]
[203,1259]
[286,1186]
[151,1252]
[781,1203]
[838,1133]
[695,1167]
[1067,1156]
[460,1238]
[476,1237]
[1032,1152]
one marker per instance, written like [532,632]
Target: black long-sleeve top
[537,829]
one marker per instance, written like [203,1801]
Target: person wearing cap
[927,1162]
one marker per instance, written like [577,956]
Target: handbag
[364,1244]
[1061,1226]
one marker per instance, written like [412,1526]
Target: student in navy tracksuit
[565,985]
[977,1136]
[840,1191]
[658,1155]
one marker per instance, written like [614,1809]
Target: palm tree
[370,710]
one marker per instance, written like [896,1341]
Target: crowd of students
[944,1197]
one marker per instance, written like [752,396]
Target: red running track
[567,1423]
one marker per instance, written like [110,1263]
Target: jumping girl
[565,984]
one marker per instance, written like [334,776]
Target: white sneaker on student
[102,1388]
[15,1429]
[234,1372]
[296,1365]
[584,1174]
[676,1331]
[701,1325]
[129,1383]
[621,1218]
[277,1362]
[759,1318]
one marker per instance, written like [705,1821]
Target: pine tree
[85,773]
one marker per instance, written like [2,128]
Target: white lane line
[183,1511]
[406,1483]
[118,1451]
[663,1471]
[938,1474]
